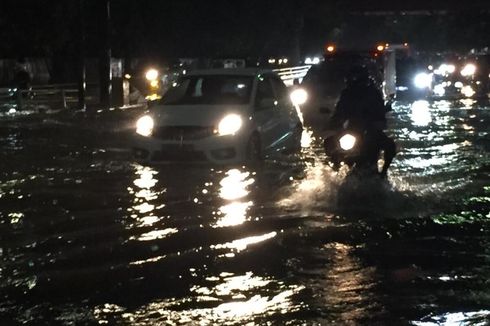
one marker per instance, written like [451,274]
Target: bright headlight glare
[347,142]
[440,90]
[468,70]
[423,80]
[151,74]
[299,96]
[154,83]
[144,126]
[467,91]
[229,125]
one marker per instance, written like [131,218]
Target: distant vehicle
[464,77]
[221,116]
[325,81]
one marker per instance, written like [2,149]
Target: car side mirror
[266,103]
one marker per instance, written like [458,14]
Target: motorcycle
[357,149]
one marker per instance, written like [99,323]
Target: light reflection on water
[234,185]
[242,244]
[232,297]
[199,245]
[234,213]
[476,318]
[421,113]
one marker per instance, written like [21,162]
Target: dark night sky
[219,27]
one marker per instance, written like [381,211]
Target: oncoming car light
[347,142]
[467,91]
[299,96]
[468,70]
[144,126]
[423,80]
[229,125]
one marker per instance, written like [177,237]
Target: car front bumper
[214,149]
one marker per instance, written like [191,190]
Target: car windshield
[210,90]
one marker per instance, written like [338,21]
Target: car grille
[183,133]
[173,155]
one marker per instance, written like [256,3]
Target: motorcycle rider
[361,107]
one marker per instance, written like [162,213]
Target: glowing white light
[144,126]
[423,80]
[154,235]
[468,70]
[445,69]
[458,84]
[457,318]
[234,185]
[234,213]
[299,96]
[146,178]
[151,74]
[242,244]
[467,91]
[347,142]
[229,125]
[421,113]
[306,138]
[312,61]
[439,89]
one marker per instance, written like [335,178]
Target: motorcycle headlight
[347,142]
[299,96]
[229,125]
[144,126]
[151,74]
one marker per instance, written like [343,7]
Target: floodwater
[89,237]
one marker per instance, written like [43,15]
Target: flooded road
[88,237]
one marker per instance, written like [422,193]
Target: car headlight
[347,142]
[468,70]
[423,80]
[229,125]
[299,96]
[144,126]
[439,90]
[467,91]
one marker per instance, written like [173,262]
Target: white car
[221,116]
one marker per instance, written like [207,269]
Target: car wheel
[254,152]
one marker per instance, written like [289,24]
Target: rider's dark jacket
[362,105]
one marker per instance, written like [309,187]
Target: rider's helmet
[357,75]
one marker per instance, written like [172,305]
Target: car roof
[231,71]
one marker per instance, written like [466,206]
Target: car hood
[195,115]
